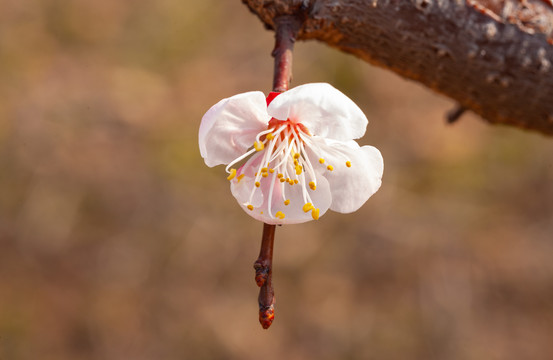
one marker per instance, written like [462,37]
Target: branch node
[261,272]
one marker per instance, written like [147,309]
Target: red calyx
[271,96]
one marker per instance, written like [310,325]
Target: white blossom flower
[295,158]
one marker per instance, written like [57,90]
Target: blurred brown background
[117,242]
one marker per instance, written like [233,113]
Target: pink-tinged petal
[293,212]
[229,128]
[324,110]
[355,172]
[242,189]
[320,199]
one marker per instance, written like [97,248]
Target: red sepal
[271,96]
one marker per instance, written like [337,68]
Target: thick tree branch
[493,57]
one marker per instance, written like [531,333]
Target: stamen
[258,137]
[306,161]
[232,174]
[281,151]
[238,159]
[298,138]
[315,214]
[271,194]
[281,146]
[348,163]
[258,146]
[285,145]
[265,157]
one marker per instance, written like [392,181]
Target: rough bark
[493,57]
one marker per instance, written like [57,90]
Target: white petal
[351,186]
[294,214]
[242,189]
[324,110]
[320,198]
[229,128]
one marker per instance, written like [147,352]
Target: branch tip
[263,277]
[455,114]
[266,316]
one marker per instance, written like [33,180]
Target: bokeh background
[117,242]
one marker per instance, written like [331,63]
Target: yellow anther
[240,177]
[250,207]
[264,174]
[299,168]
[271,170]
[270,136]
[296,181]
[321,161]
[348,163]
[280,215]
[296,163]
[232,174]
[257,184]
[258,146]
[255,174]
[286,202]
[307,207]
[280,176]
[264,170]
[282,180]
[290,181]
[330,167]
[296,156]
[312,185]
[315,214]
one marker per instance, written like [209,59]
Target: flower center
[283,162]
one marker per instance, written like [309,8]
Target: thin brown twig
[263,277]
[285,36]
[287,28]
